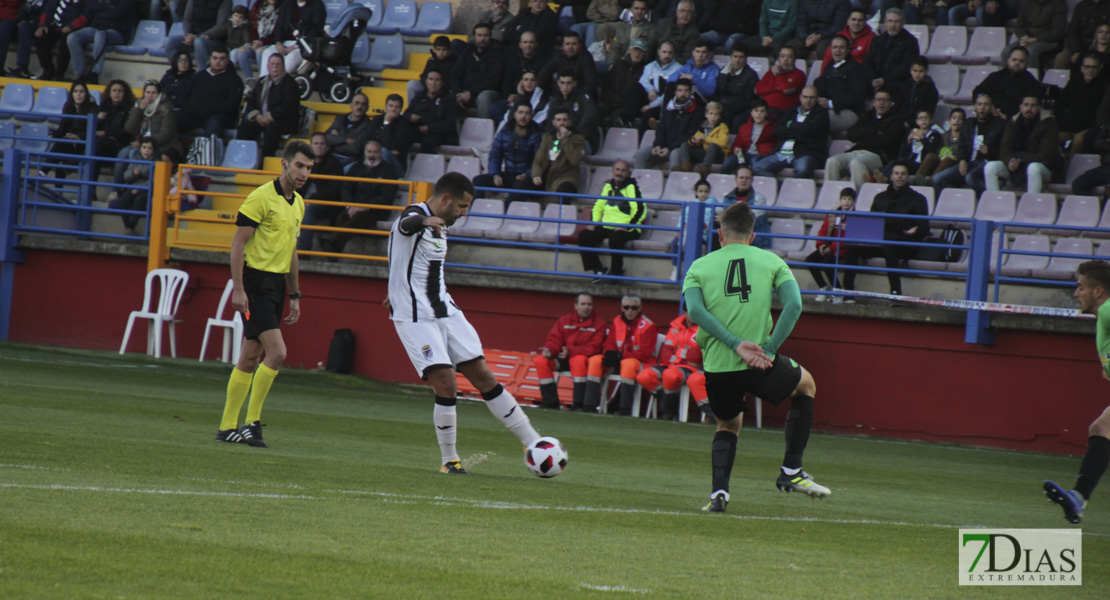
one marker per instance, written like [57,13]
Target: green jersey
[1102,336]
[738,283]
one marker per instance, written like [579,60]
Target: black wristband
[295,296]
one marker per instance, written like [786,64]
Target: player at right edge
[728,293]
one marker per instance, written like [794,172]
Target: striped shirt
[417,291]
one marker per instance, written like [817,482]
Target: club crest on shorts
[426,350]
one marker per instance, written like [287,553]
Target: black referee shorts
[726,389]
[266,298]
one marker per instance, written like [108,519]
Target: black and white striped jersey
[417,291]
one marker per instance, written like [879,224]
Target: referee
[263,267]
[728,293]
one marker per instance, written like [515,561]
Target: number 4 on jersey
[737,282]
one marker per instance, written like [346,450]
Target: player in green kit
[728,293]
[1092,291]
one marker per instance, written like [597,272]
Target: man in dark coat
[476,78]
[889,58]
[212,100]
[273,109]
[434,114]
[1008,85]
[842,87]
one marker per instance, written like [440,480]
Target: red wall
[1031,391]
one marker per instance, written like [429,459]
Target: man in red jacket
[679,363]
[782,86]
[576,337]
[630,346]
[859,35]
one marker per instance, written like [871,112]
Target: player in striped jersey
[435,333]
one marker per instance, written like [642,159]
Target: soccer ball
[546,457]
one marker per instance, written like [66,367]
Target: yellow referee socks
[237,388]
[263,379]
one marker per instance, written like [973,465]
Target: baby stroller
[327,68]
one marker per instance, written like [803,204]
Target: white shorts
[438,343]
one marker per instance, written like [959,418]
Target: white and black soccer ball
[546,457]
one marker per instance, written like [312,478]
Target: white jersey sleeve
[417,290]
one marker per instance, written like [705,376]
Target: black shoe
[600,276]
[454,467]
[230,435]
[252,434]
[586,409]
[44,76]
[718,502]
[20,72]
[895,302]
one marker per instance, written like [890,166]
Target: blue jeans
[731,162]
[804,166]
[203,47]
[951,177]
[586,31]
[8,30]
[99,39]
[245,60]
[26,38]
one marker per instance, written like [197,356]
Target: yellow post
[158,250]
[421,191]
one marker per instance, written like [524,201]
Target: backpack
[950,236]
[341,354]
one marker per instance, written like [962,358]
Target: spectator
[573,59]
[178,78]
[476,78]
[679,30]
[625,73]
[555,168]
[263,19]
[442,60]
[200,16]
[859,35]
[755,139]
[583,111]
[947,155]
[707,146]
[830,252]
[679,122]
[1085,20]
[514,148]
[617,222]
[744,192]
[701,196]
[307,18]
[272,109]
[59,18]
[528,91]
[434,114]
[700,70]
[106,23]
[1040,29]
[924,139]
[629,347]
[917,94]
[574,338]
[497,17]
[136,198]
[1101,43]
[782,85]
[778,20]
[1008,85]
[818,21]
[321,189]
[539,19]
[18,18]
[842,87]
[644,101]
[988,13]
[597,13]
[803,139]
[876,138]
[212,98]
[1030,152]
[900,199]
[527,56]
[679,364]
[111,118]
[914,11]
[345,131]
[979,143]
[235,34]
[736,87]
[1077,105]
[891,54]
[623,33]
[357,194]
[79,103]
[1085,184]
[393,132]
[151,118]
[737,23]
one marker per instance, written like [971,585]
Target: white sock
[504,407]
[790,472]
[444,418]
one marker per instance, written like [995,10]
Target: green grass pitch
[111,486]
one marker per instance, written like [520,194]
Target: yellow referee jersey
[279,223]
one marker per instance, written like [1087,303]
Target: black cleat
[453,467]
[252,434]
[718,502]
[230,435]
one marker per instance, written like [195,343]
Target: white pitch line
[91,488]
[32,467]
[613,588]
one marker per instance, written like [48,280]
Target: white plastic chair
[172,283]
[233,328]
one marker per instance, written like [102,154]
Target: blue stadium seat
[7,128]
[386,53]
[18,97]
[33,130]
[158,50]
[241,154]
[376,9]
[48,102]
[334,7]
[435,17]
[148,35]
[399,14]
[361,52]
